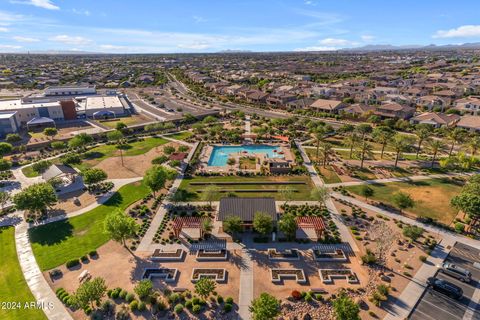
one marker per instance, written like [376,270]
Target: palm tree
[383,135]
[319,136]
[454,136]
[365,150]
[435,145]
[422,132]
[400,144]
[363,129]
[474,144]
[351,141]
[327,151]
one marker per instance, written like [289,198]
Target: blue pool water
[220,154]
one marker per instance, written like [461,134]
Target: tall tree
[473,144]
[210,193]
[4,198]
[403,200]
[93,176]
[327,152]
[319,136]
[50,132]
[352,141]
[5,148]
[400,144]
[262,223]
[320,194]
[435,145]
[117,138]
[469,199]
[233,225]
[383,135]
[207,226]
[89,292]
[363,130]
[423,132]
[80,140]
[288,225]
[345,308]
[119,226]
[265,307]
[455,136]
[36,198]
[366,191]
[365,150]
[287,193]
[156,177]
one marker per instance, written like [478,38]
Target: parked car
[456,272]
[445,287]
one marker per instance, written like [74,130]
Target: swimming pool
[220,154]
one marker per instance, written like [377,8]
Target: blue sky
[166,26]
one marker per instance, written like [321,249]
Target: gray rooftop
[245,208]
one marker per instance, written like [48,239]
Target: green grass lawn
[303,190]
[97,154]
[180,136]
[126,120]
[29,172]
[56,243]
[432,197]
[328,175]
[13,286]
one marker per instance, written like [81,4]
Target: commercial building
[101,107]
[8,123]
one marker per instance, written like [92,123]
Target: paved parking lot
[436,306]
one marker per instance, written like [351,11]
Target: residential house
[280,99]
[394,110]
[330,106]
[436,120]
[358,110]
[471,123]
[470,105]
[256,96]
[431,102]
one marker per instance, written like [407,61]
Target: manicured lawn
[248,163]
[97,154]
[432,197]
[328,175]
[180,136]
[29,172]
[302,190]
[127,120]
[13,286]
[56,243]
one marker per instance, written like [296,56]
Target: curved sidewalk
[34,277]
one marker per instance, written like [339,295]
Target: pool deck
[206,153]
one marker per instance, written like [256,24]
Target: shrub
[93,254]
[178,308]
[174,297]
[369,257]
[227,307]
[459,227]
[196,308]
[160,160]
[383,289]
[318,296]
[195,300]
[129,297]
[296,295]
[229,300]
[123,294]
[188,304]
[72,263]
[84,258]
[422,258]
[220,299]
[87,310]
[134,305]
[308,297]
[142,306]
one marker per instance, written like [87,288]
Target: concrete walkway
[403,305]
[34,277]
[245,292]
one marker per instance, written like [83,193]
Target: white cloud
[81,12]
[45,4]
[460,32]
[199,19]
[9,47]
[3,29]
[194,46]
[7,18]
[25,39]
[335,42]
[71,40]
[310,3]
[111,47]
[367,37]
[316,48]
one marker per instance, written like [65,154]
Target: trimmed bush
[178,308]
[188,304]
[174,297]
[229,300]
[129,297]
[227,307]
[93,254]
[422,258]
[142,306]
[123,294]
[72,263]
[196,308]
[134,305]
[220,299]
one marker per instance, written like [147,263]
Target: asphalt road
[436,306]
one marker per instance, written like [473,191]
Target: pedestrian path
[246,286]
[34,277]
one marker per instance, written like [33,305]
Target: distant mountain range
[386,47]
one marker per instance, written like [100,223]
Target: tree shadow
[115,200]
[93,155]
[52,233]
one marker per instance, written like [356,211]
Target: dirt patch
[133,166]
[67,203]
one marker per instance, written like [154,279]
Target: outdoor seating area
[174,255]
[167,274]
[216,274]
[291,254]
[212,255]
[328,275]
[336,255]
[279,274]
